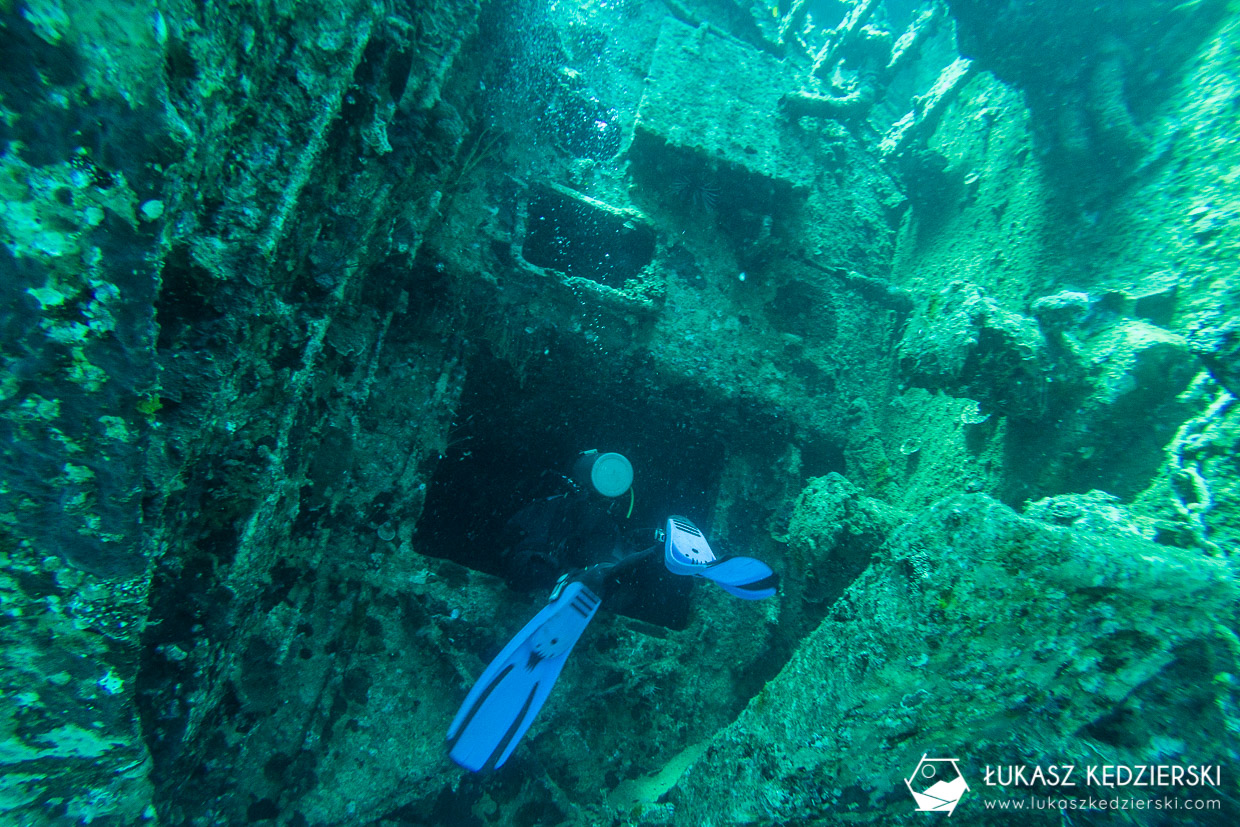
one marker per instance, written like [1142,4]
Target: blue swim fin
[505,700]
[685,551]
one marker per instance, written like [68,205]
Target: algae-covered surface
[931,306]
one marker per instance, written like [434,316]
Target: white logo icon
[936,785]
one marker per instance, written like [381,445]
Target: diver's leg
[503,703]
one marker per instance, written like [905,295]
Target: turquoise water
[928,309]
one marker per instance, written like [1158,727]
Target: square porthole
[581,237]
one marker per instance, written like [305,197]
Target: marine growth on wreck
[619,412]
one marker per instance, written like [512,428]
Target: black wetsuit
[558,534]
[584,535]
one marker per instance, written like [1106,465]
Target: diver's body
[578,536]
[587,535]
[571,530]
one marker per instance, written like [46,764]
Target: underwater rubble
[929,305]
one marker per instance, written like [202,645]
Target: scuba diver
[579,531]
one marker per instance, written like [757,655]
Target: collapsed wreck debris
[287,342]
[857,63]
